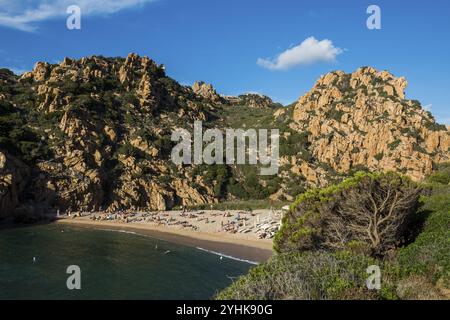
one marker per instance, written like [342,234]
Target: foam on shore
[227,256]
[199,248]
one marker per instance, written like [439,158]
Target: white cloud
[26,15]
[308,52]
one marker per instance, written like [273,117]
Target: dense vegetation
[371,211]
[416,266]
[20,127]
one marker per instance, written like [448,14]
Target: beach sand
[241,246]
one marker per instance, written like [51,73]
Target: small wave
[129,232]
[199,248]
[227,256]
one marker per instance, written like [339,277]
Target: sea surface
[113,265]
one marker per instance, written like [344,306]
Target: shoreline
[218,243]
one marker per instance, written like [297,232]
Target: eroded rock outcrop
[253,100]
[13,179]
[206,91]
[104,124]
[362,120]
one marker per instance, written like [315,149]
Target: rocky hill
[363,121]
[253,100]
[95,133]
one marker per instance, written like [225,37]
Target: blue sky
[220,42]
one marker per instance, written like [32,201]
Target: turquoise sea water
[114,265]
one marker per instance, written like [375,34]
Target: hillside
[95,133]
[363,120]
[332,235]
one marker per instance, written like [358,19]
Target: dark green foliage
[341,215]
[433,126]
[327,168]
[419,148]
[18,138]
[272,183]
[393,145]
[295,143]
[358,168]
[429,254]
[344,84]
[355,150]
[295,185]
[441,175]
[246,117]
[335,114]
[221,178]
[379,156]
[248,205]
[247,183]
[216,175]
[410,133]
[419,270]
[254,188]
[308,276]
[164,144]
[377,82]
[128,150]
[236,189]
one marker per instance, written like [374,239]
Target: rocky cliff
[363,120]
[13,179]
[95,133]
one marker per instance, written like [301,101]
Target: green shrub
[335,114]
[375,209]
[379,156]
[429,254]
[308,276]
[419,270]
[441,175]
[296,142]
[295,185]
[393,145]
[128,150]
[433,126]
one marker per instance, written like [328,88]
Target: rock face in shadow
[14,177]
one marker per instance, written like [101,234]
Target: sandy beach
[238,234]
